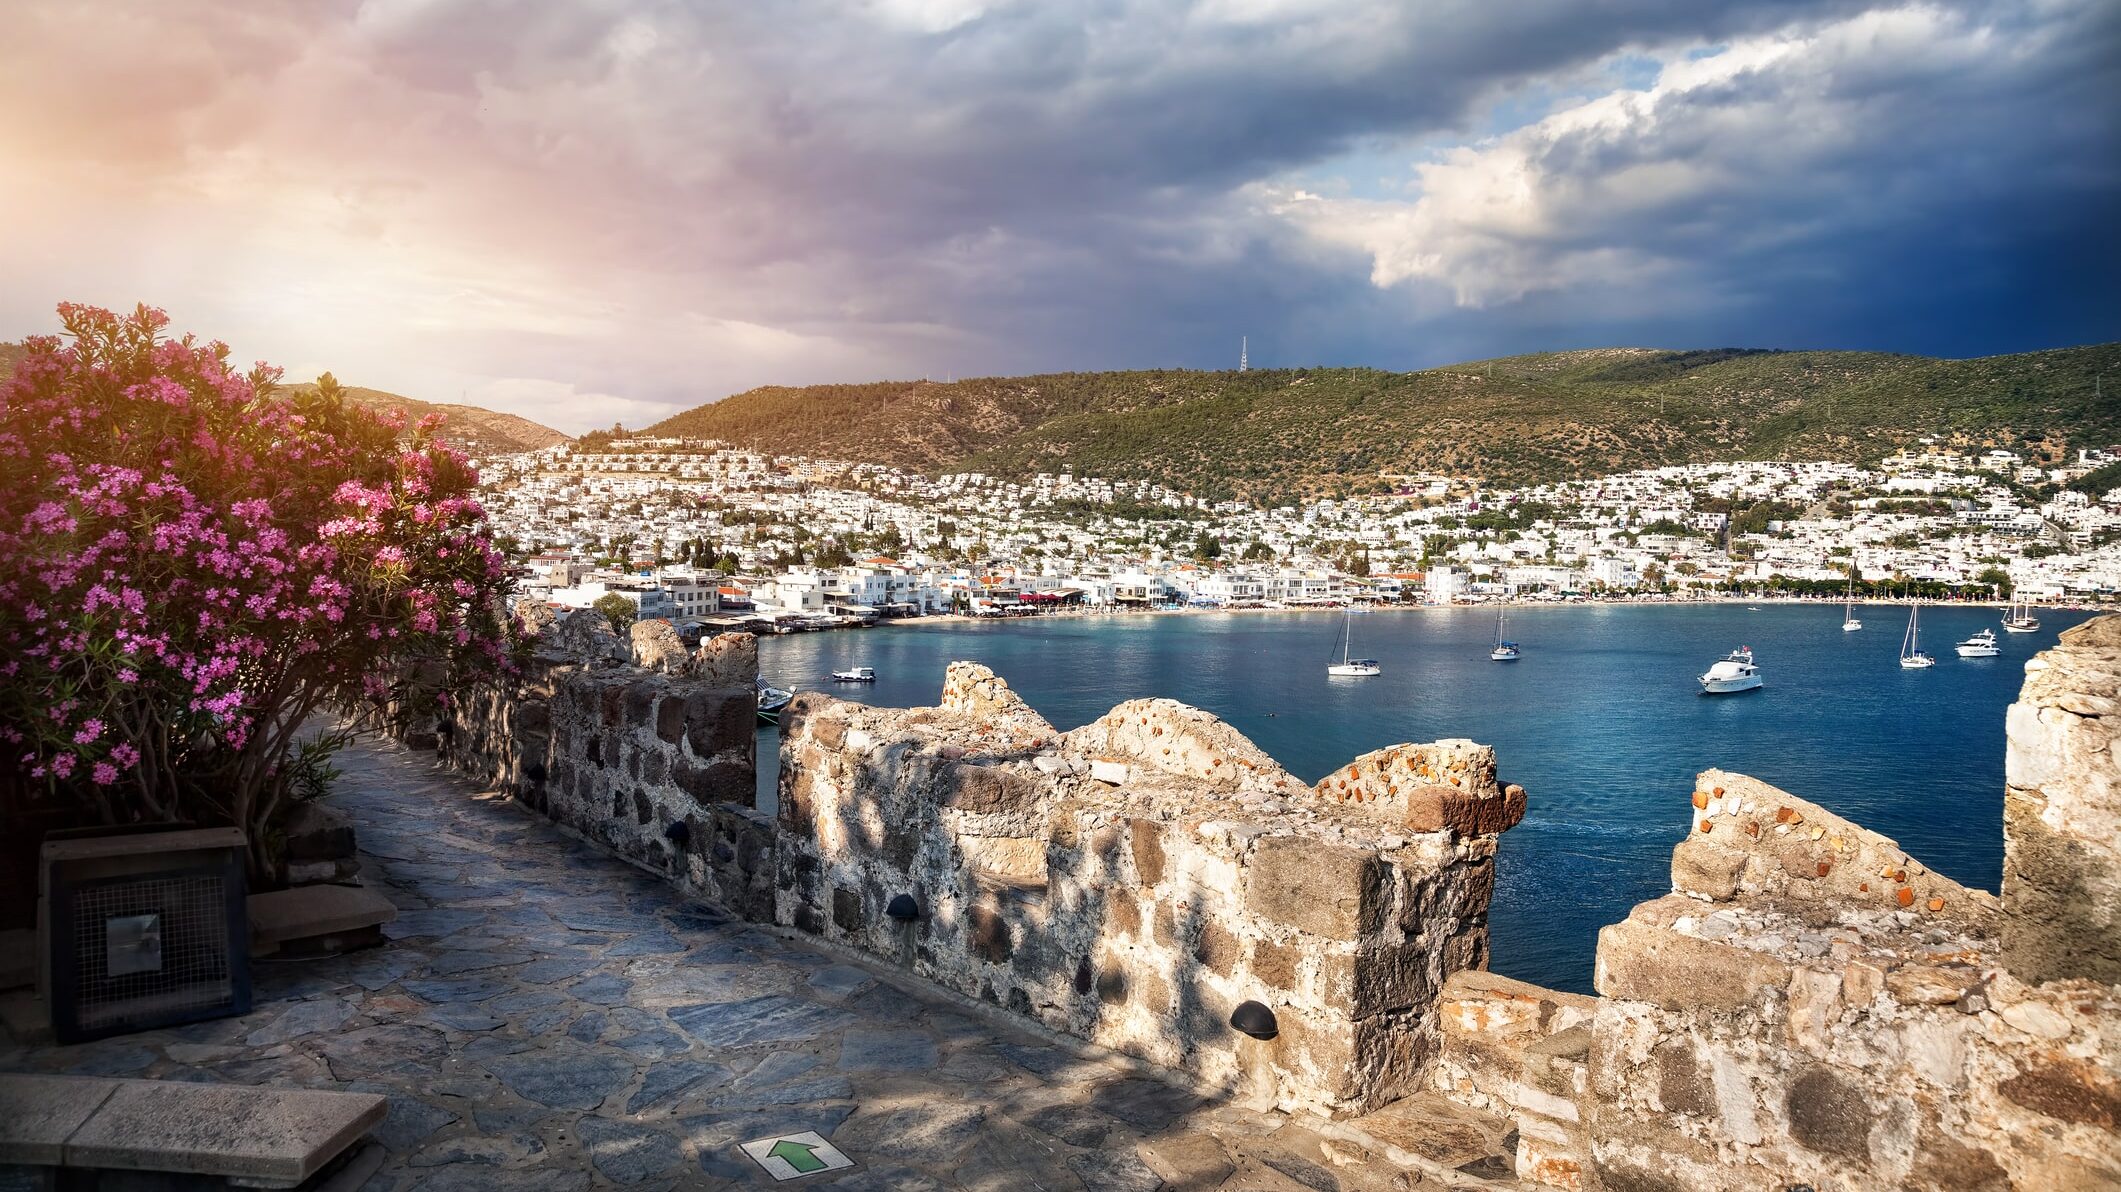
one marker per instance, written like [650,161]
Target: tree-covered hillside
[1276,433]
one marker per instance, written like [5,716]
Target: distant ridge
[1281,433]
[475,430]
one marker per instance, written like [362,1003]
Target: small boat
[1350,666]
[857,674]
[771,701]
[1733,673]
[2018,618]
[1911,655]
[1849,623]
[1981,645]
[1505,650]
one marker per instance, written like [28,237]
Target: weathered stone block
[318,832]
[2069,1091]
[1830,1113]
[718,782]
[847,909]
[1639,962]
[987,931]
[1468,813]
[670,719]
[720,720]
[1329,890]
[1145,837]
[1217,949]
[988,789]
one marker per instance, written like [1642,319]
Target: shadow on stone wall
[1134,880]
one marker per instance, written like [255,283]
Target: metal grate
[150,947]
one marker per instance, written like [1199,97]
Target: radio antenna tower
[1244,354]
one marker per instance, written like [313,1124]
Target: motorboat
[855,674]
[1733,673]
[1911,655]
[771,701]
[1505,650]
[1350,666]
[1981,645]
[2018,618]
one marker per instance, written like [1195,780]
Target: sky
[595,212]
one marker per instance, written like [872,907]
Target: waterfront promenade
[548,1018]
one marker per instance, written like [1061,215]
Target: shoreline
[1513,603]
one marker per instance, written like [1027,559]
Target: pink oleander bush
[193,562]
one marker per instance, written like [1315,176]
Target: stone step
[1430,1132]
[252,1137]
[281,919]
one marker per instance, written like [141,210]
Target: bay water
[1601,721]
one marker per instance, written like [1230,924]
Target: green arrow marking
[797,1155]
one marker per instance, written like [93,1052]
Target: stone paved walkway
[548,1018]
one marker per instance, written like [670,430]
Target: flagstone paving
[547,1017]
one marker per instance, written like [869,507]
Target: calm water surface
[1601,722]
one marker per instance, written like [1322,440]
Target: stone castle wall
[1135,880]
[1813,1007]
[1809,1007]
[642,748]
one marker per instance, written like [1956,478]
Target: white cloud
[1763,142]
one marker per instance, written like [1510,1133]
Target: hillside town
[710,535]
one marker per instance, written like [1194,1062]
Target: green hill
[476,431]
[1273,433]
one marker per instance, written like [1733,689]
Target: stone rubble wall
[1131,882]
[651,754]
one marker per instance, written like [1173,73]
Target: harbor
[1602,711]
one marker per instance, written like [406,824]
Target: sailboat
[1505,650]
[1849,623]
[1911,655]
[2018,618]
[1349,665]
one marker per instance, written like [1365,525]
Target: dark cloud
[585,209]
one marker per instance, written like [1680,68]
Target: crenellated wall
[1133,881]
[1813,1007]
[1809,1007]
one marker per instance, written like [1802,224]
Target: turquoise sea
[1601,722]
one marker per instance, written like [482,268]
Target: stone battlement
[1133,881]
[1809,1005]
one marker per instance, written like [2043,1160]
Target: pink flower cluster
[188,556]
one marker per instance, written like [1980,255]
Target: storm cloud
[591,212]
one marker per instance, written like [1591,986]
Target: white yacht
[1911,655]
[1735,672]
[1349,665]
[857,674]
[1849,623]
[1981,645]
[1505,650]
[2018,618]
